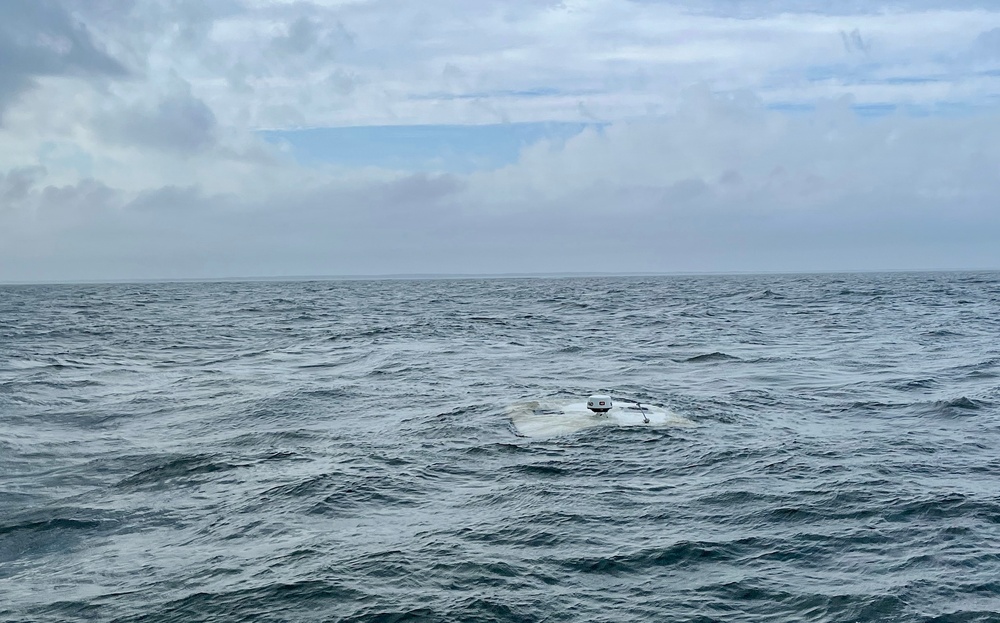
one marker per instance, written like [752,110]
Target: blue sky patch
[428,148]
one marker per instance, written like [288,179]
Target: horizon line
[482,276]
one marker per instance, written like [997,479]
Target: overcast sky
[239,138]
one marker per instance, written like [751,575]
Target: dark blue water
[345,451]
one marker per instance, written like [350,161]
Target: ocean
[827,448]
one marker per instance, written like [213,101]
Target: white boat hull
[552,418]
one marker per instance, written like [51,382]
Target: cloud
[723,184]
[39,38]
[176,121]
[854,42]
[987,45]
[728,138]
[381,62]
[303,34]
[420,188]
[170,199]
[16,185]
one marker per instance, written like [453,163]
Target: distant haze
[154,139]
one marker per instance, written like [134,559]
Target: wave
[766,295]
[953,407]
[711,357]
[50,524]
[677,554]
[268,602]
[183,470]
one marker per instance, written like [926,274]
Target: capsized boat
[547,418]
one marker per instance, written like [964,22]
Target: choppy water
[346,451]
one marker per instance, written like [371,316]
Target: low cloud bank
[723,185]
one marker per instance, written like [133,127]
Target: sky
[184,139]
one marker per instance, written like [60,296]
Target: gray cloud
[855,43]
[987,45]
[73,204]
[25,191]
[420,188]
[16,185]
[39,38]
[761,8]
[170,199]
[303,35]
[178,122]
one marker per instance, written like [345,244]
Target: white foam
[553,418]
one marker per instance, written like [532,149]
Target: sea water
[356,450]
